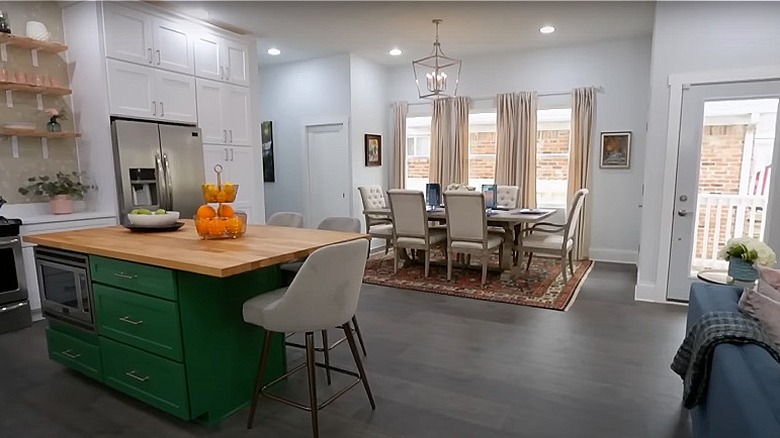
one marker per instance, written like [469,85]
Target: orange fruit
[234,225]
[225,211]
[222,197]
[216,227]
[206,211]
[202,226]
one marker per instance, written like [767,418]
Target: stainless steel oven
[12,285]
[65,285]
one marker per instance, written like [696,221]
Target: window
[418,152]
[482,149]
[552,156]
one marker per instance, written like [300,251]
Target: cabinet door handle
[227,72]
[226,155]
[130,321]
[162,109]
[231,135]
[154,102]
[232,157]
[221,72]
[70,355]
[125,276]
[136,376]
[158,57]
[149,54]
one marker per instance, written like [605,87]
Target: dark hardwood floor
[439,366]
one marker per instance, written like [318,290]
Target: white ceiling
[369,29]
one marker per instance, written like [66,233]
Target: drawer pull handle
[125,276]
[130,321]
[70,355]
[136,377]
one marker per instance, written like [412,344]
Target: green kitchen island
[168,328]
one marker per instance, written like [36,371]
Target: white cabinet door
[214,154]
[176,95]
[131,89]
[172,46]
[210,113]
[236,63]
[235,108]
[128,34]
[208,56]
[242,172]
[246,208]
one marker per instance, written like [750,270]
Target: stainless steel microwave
[65,285]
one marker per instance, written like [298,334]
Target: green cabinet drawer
[148,323]
[152,379]
[145,279]
[75,353]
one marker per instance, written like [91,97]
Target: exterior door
[728,135]
[172,47]
[128,34]
[176,96]
[131,90]
[328,169]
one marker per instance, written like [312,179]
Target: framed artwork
[373,150]
[615,150]
[267,139]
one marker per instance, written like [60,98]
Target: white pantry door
[329,172]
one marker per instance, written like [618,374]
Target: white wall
[688,38]
[622,68]
[369,112]
[292,95]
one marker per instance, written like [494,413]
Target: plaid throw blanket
[694,358]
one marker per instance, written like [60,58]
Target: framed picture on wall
[615,150]
[373,150]
[267,140]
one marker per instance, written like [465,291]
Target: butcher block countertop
[183,250]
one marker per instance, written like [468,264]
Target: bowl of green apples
[142,217]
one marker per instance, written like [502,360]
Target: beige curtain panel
[583,109]
[400,111]
[459,157]
[440,140]
[516,143]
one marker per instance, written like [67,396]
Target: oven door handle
[12,307]
[9,243]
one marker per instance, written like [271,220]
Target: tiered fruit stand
[222,222]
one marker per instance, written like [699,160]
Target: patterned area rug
[541,286]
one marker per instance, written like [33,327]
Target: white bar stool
[324,294]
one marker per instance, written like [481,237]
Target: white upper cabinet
[235,110]
[210,115]
[223,113]
[140,91]
[221,59]
[140,38]
[172,46]
[128,34]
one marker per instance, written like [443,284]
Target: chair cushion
[545,241]
[435,236]
[381,230]
[254,308]
[493,241]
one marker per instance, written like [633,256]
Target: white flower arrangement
[750,250]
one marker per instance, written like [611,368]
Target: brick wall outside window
[552,155]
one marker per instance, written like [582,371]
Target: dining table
[507,219]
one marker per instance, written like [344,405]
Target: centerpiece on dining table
[222,222]
[743,253]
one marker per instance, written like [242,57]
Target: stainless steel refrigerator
[157,166]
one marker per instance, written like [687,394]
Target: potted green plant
[744,252]
[61,190]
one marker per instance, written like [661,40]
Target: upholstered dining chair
[456,186]
[410,225]
[289,270]
[286,219]
[507,196]
[467,230]
[556,239]
[378,226]
[323,295]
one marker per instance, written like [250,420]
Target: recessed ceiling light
[547,29]
[395,52]
[273,51]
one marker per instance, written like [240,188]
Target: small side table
[715,277]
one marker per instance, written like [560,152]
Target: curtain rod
[599,89]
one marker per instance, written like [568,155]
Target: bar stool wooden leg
[359,335]
[310,367]
[358,362]
[259,382]
[326,352]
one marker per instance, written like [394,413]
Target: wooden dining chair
[556,239]
[467,230]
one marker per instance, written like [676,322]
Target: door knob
[683,212]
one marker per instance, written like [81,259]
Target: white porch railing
[721,217]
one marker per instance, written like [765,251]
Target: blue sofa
[743,396]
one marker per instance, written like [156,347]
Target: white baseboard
[613,256]
[648,292]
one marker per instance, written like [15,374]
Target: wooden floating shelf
[34,89]
[32,44]
[39,134]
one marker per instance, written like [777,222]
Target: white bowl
[153,220]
